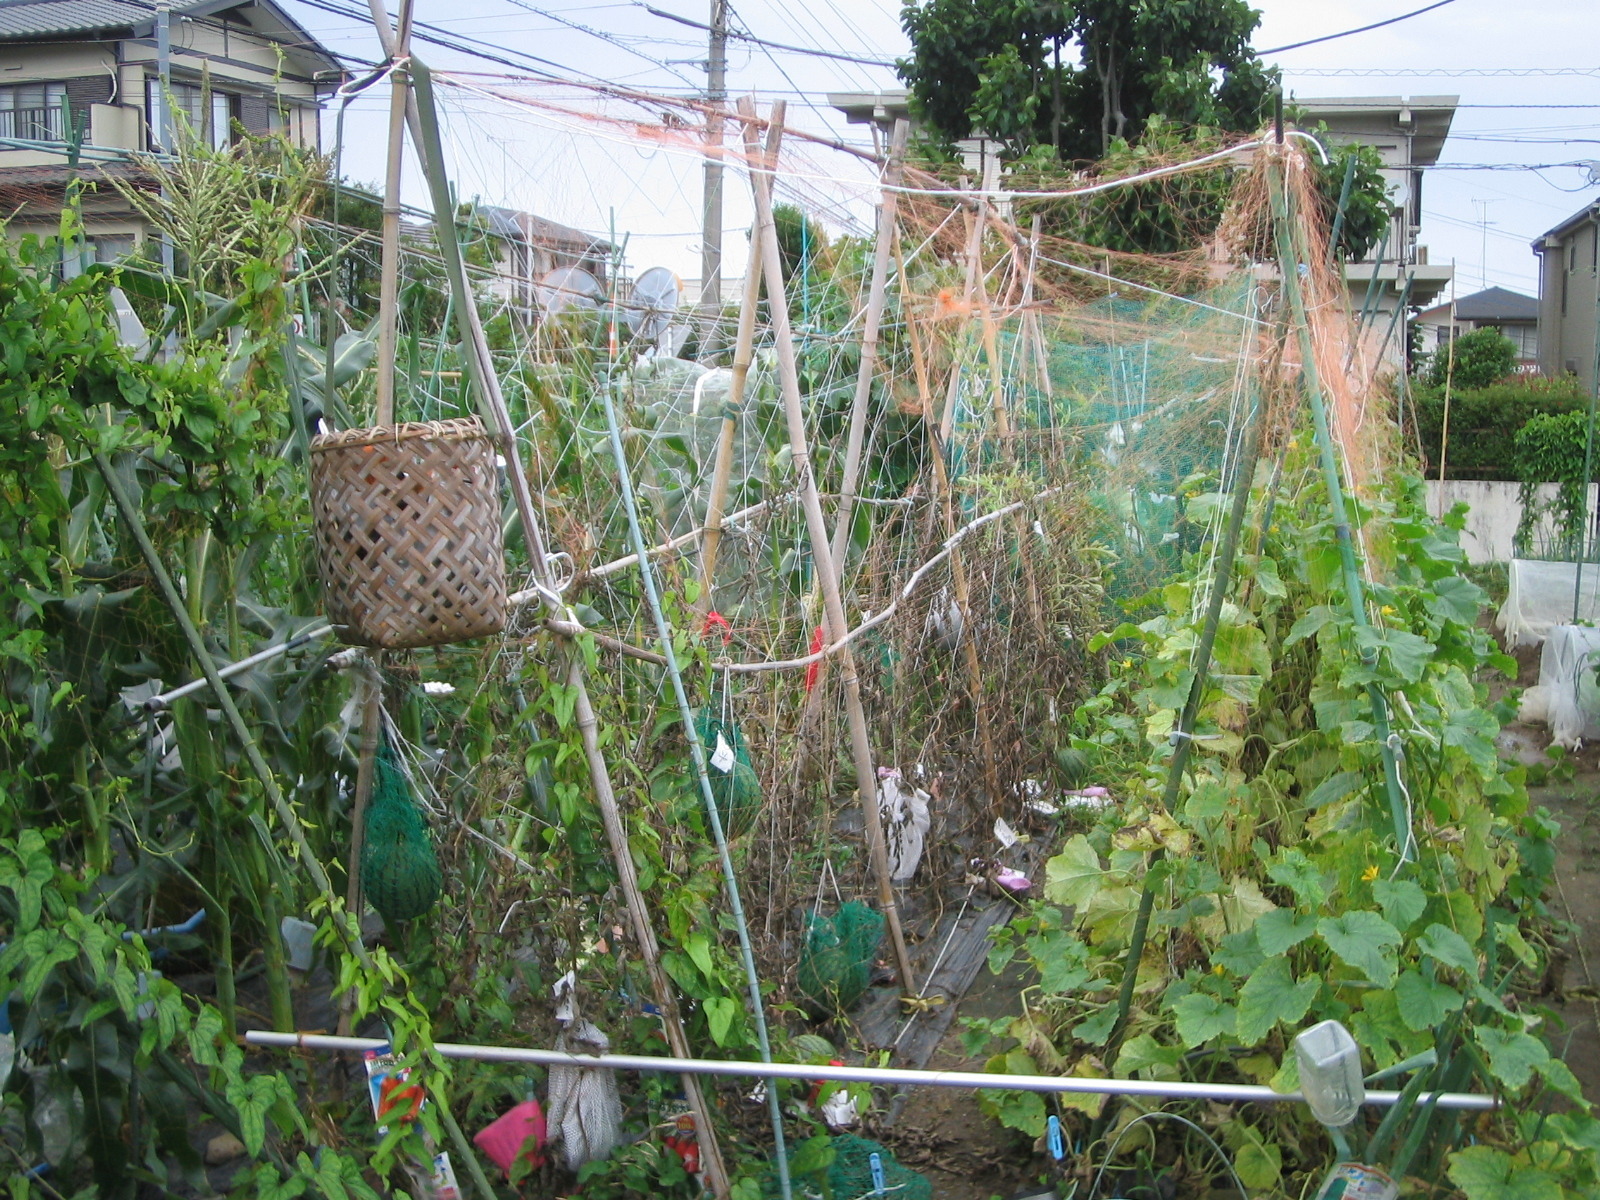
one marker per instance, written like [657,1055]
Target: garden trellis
[897,525]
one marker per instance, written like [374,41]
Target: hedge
[1484,423]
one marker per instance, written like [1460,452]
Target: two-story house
[1569,296]
[1407,132]
[1511,313]
[85,83]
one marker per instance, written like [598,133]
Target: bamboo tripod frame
[822,558]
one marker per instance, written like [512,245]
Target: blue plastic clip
[1053,1136]
[875,1161]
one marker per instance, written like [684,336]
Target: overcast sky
[1503,60]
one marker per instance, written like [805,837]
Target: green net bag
[848,1174]
[399,869]
[836,963]
[734,785]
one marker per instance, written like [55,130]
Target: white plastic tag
[722,756]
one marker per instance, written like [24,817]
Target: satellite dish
[569,289]
[655,298]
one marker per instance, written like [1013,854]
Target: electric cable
[1330,37]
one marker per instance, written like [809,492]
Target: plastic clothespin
[875,1161]
[1053,1138]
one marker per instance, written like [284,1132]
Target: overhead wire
[767,44]
[1331,37]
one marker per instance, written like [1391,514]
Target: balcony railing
[32,124]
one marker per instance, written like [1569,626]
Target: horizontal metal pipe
[1226,1092]
[156,703]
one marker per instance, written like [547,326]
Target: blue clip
[1053,1136]
[875,1161]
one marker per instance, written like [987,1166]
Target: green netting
[399,869]
[849,1175]
[836,964]
[736,790]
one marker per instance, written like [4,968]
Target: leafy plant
[1285,896]
[1474,360]
[1484,423]
[1551,448]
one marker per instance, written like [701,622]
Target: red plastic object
[715,620]
[506,1137]
[815,669]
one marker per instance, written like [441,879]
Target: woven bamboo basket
[408,533]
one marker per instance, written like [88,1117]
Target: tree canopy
[1077,75]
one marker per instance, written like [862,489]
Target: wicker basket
[408,533]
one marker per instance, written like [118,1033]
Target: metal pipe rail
[1224,1092]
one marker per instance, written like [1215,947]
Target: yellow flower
[1127,663]
[1388,610]
[1217,970]
[1370,873]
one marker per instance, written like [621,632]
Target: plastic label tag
[722,756]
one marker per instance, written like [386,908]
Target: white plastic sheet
[1567,697]
[906,820]
[1540,597]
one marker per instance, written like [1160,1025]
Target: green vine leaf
[1448,947]
[1282,929]
[1402,901]
[1513,1057]
[1365,941]
[1484,1173]
[1200,1017]
[1270,995]
[1423,1002]
[1074,876]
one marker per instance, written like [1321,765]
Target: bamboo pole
[822,560]
[644,933]
[389,271]
[697,753]
[743,352]
[1031,319]
[1182,739]
[1289,258]
[887,213]
[991,340]
[486,386]
[371,716]
[958,570]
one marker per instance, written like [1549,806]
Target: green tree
[996,65]
[1474,360]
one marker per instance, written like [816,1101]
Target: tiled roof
[37,18]
[1497,304]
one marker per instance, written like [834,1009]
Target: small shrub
[1474,360]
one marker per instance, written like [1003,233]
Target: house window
[1525,337]
[33,111]
[210,124]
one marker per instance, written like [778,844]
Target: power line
[1351,32]
[609,38]
[769,45]
[437,36]
[1440,72]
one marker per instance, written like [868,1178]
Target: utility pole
[711,231]
[164,120]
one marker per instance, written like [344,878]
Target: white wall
[1492,513]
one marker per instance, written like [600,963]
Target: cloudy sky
[1525,102]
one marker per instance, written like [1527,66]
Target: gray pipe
[1233,1093]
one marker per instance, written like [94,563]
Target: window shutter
[87,90]
[255,114]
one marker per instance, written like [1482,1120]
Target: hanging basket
[408,533]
